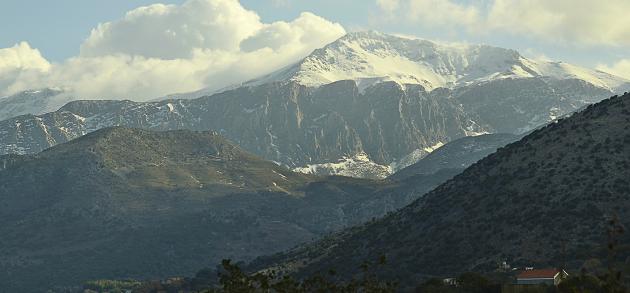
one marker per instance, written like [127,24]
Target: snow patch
[432,148]
[414,157]
[360,165]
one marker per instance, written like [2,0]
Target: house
[541,276]
[450,282]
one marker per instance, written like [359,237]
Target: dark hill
[457,154]
[127,203]
[553,190]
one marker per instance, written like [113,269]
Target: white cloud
[170,31]
[307,31]
[619,68]
[19,63]
[162,49]
[23,57]
[443,13]
[433,13]
[577,22]
[388,5]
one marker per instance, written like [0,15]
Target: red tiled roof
[536,274]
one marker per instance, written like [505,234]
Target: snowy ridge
[562,70]
[359,165]
[372,57]
[32,102]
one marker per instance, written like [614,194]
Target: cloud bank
[160,49]
[619,68]
[576,22]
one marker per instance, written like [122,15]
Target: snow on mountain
[32,102]
[415,156]
[562,70]
[482,89]
[372,57]
[359,165]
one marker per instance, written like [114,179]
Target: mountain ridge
[370,57]
[457,154]
[32,102]
[299,126]
[322,127]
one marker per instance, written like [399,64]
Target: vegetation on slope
[533,201]
[126,203]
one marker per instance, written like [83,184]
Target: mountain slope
[555,188]
[31,102]
[126,203]
[298,126]
[457,154]
[284,122]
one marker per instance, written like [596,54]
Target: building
[542,276]
[450,282]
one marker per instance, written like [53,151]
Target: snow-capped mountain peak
[371,57]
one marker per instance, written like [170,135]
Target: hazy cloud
[280,3]
[581,22]
[162,49]
[576,21]
[620,68]
[388,6]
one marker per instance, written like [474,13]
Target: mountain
[457,154]
[371,57]
[367,100]
[284,122]
[127,203]
[542,201]
[32,102]
[297,126]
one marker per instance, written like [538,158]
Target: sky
[142,49]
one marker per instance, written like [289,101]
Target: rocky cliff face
[520,105]
[295,125]
[284,122]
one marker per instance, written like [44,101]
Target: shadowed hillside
[457,154]
[554,188]
[128,203]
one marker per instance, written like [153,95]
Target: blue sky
[57,28]
[590,33]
